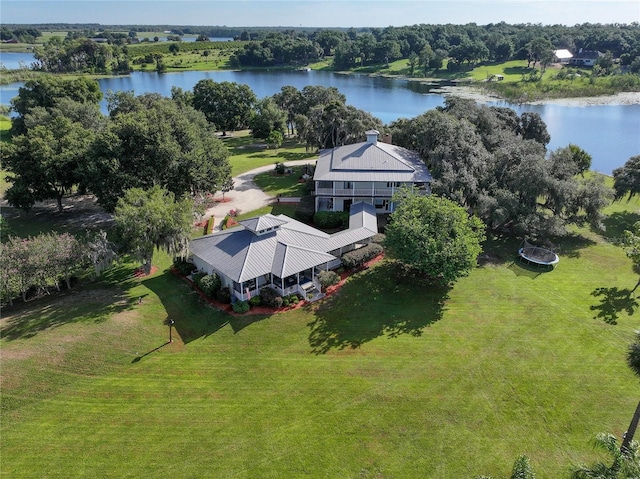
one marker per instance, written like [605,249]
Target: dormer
[262,225]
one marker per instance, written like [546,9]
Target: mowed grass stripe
[388,378]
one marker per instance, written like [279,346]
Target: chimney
[372,136]
[386,138]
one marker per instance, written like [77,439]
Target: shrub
[331,219]
[269,296]
[224,295]
[378,238]
[294,299]
[285,302]
[210,225]
[197,277]
[240,307]
[255,301]
[183,267]
[328,278]
[210,284]
[355,259]
[279,169]
[305,210]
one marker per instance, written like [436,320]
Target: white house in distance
[279,251]
[562,56]
[370,172]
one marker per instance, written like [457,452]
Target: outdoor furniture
[537,255]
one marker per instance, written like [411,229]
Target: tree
[623,465]
[47,91]
[149,219]
[151,140]
[202,38]
[632,242]
[267,118]
[228,105]
[633,360]
[433,236]
[275,140]
[45,162]
[289,99]
[539,50]
[626,179]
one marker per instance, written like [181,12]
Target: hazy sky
[312,13]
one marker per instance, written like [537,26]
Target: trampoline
[537,255]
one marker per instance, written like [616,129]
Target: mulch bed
[266,310]
[139,273]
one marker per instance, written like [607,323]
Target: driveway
[246,195]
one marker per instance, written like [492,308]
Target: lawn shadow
[613,301]
[520,268]
[516,70]
[238,323]
[138,358]
[376,302]
[616,223]
[88,304]
[193,317]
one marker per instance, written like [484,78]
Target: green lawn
[388,378]
[284,185]
[248,153]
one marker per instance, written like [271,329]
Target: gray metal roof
[369,161]
[262,223]
[241,254]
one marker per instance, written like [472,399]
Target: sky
[313,13]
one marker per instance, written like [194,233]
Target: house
[370,172]
[586,58]
[562,56]
[280,252]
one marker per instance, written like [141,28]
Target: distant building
[370,172]
[562,56]
[586,58]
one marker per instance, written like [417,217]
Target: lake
[610,134]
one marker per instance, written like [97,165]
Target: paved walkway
[246,195]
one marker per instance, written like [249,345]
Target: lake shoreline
[469,92]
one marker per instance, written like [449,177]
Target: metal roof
[370,161]
[241,254]
[262,223]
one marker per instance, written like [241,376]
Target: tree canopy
[45,162]
[227,105]
[434,236]
[153,218]
[626,179]
[151,140]
[47,91]
[494,162]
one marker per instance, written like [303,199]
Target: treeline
[31,267]
[429,45]
[20,34]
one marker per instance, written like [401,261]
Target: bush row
[331,219]
[355,259]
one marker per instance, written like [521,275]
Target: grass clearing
[284,185]
[248,153]
[385,379]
